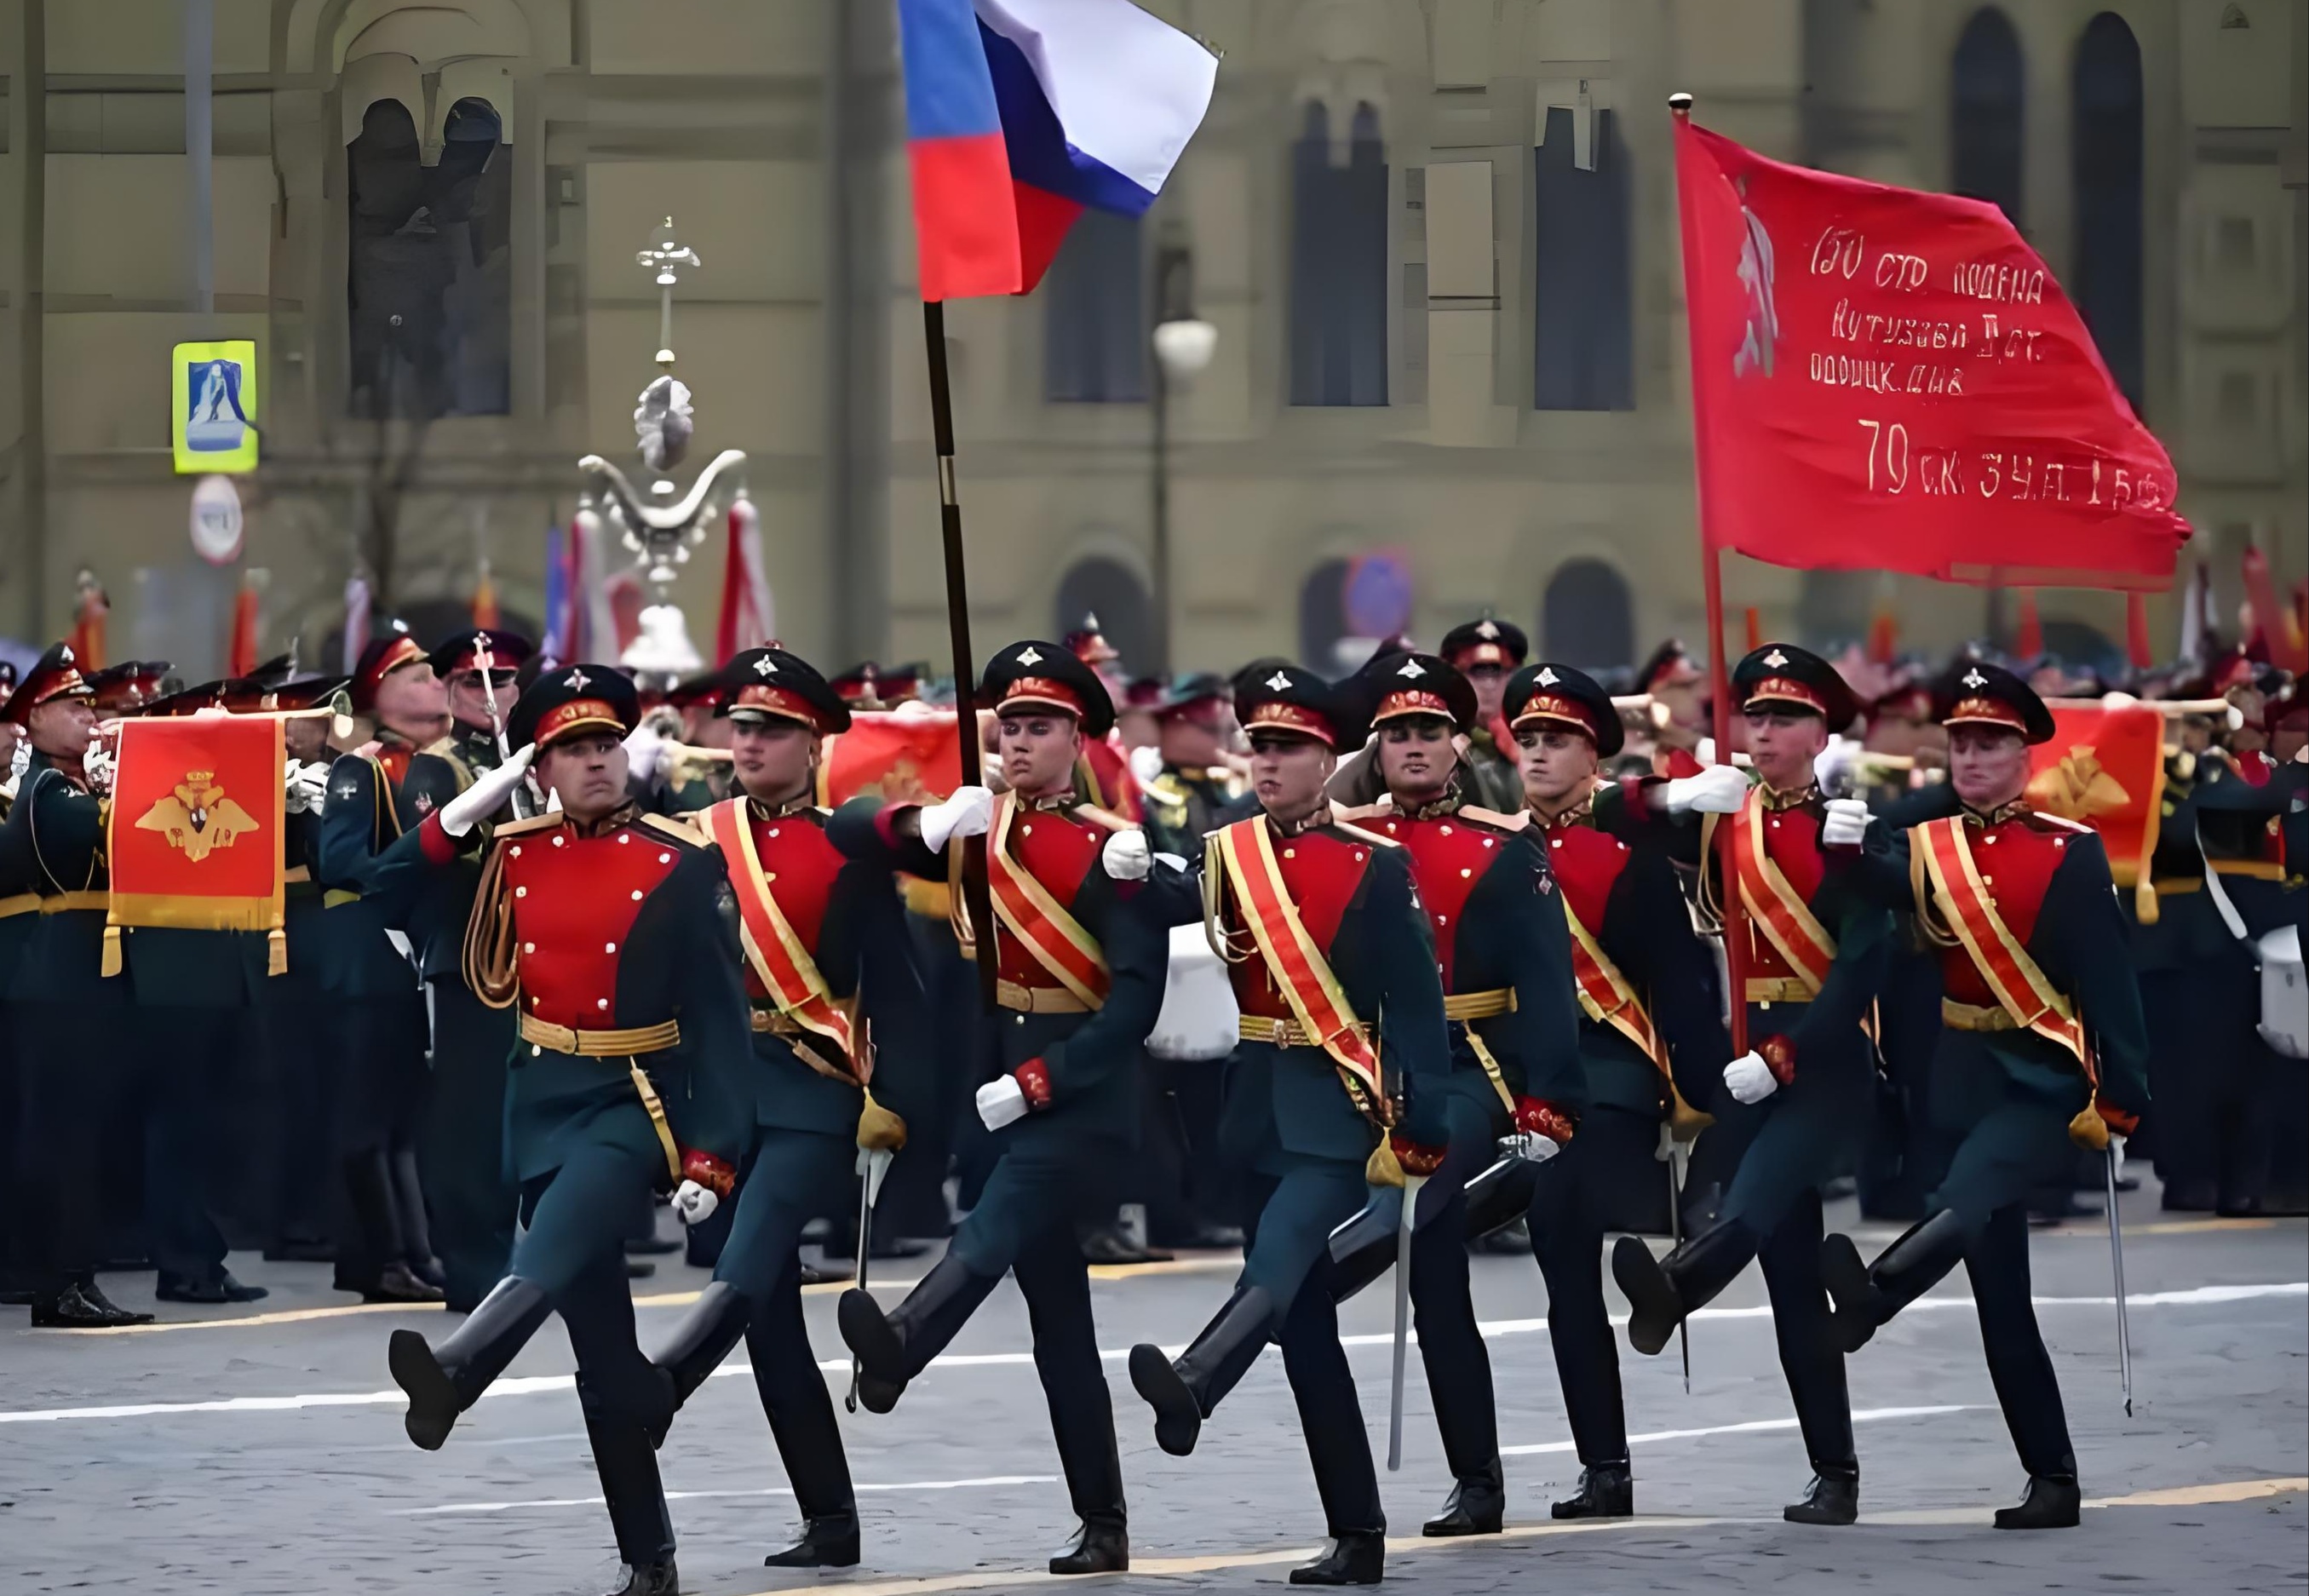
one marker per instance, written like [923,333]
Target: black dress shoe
[813,1274]
[650,1579]
[639,1269]
[81,1308]
[1833,1497]
[2188,1196]
[430,1270]
[1111,1246]
[1102,1547]
[830,1541]
[1178,1417]
[2051,1504]
[223,1289]
[651,1246]
[1606,1491]
[397,1282]
[1357,1558]
[1477,1505]
[878,1396]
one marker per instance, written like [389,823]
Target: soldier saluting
[2041,1042]
[1647,1037]
[602,927]
[1080,954]
[836,1014]
[1491,905]
[1334,969]
[1817,949]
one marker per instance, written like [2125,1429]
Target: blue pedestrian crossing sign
[213,387]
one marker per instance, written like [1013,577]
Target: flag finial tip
[1680,103]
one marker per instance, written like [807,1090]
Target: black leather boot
[650,1579]
[1363,1249]
[1103,1547]
[828,1541]
[1357,1558]
[1833,1497]
[701,1340]
[1606,1491]
[1501,1196]
[441,1382]
[80,1305]
[1661,1291]
[2052,1503]
[1867,1295]
[1477,1505]
[892,1348]
[1185,1392]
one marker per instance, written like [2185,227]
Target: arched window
[1586,619]
[1339,264]
[1987,121]
[1323,615]
[2104,170]
[1111,590]
[430,282]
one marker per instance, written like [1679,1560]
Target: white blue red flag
[1022,114]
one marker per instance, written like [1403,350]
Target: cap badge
[765,666]
[1775,659]
[1278,682]
[1488,629]
[1030,655]
[1412,669]
[1547,676]
[1973,678]
[576,681]
[63,655]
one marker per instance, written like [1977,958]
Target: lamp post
[1184,346]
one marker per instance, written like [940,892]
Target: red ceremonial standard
[1884,379]
[194,838]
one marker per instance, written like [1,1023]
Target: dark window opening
[1987,120]
[1582,314]
[2105,278]
[1339,264]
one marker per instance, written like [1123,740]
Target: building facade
[1436,238]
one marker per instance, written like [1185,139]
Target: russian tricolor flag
[1020,114]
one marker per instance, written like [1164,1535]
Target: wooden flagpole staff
[976,900]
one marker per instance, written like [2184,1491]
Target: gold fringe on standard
[492,958]
[879,1130]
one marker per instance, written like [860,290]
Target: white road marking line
[988,1482]
[1493,1329]
[1752,1427]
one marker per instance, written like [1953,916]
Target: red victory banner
[198,817]
[1884,379]
[2106,768]
[909,759]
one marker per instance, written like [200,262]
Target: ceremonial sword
[2116,1268]
[485,661]
[1411,1184]
[873,1163]
[1671,1154]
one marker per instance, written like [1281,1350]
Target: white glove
[1846,823]
[1145,763]
[308,786]
[1529,1146]
[2116,1156]
[1001,1100]
[2117,700]
[1716,790]
[487,793]
[969,813]
[1833,764]
[1749,1079]
[693,1203]
[645,750]
[97,764]
[1127,856]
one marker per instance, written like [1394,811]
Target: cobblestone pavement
[262,1451]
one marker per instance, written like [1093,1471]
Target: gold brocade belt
[1038,1000]
[1777,988]
[1283,1033]
[628,1045]
[67,902]
[1967,1016]
[774,1023]
[1480,1005]
[2251,870]
[21,903]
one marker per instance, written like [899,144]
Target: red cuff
[1416,1157]
[438,846]
[2116,1118]
[1632,792]
[1779,1056]
[708,1171]
[886,822]
[1034,1078]
[1539,1116]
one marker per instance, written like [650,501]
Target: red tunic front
[1059,850]
[799,867]
[2016,859]
[1449,855]
[574,900]
[1320,870]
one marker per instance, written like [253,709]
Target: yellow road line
[293,1316]
[2193,1495]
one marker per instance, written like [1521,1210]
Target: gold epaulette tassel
[110,964]
[879,1130]
[276,951]
[1383,1168]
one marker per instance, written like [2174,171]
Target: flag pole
[1719,686]
[975,898]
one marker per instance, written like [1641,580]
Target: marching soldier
[1486,652]
[1185,801]
[2041,1042]
[1817,950]
[73,1022]
[1323,927]
[1108,760]
[835,1012]
[461,1139]
[1483,884]
[1675,683]
[377,1086]
[601,928]
[1080,954]
[1649,1041]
